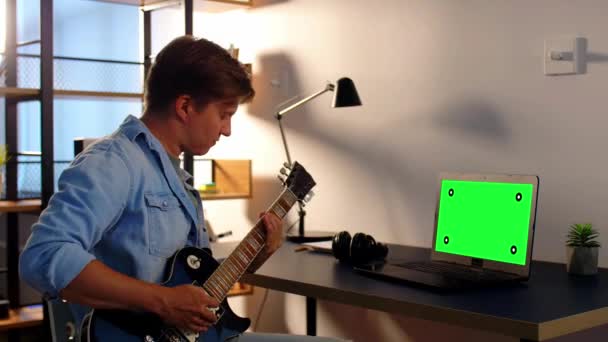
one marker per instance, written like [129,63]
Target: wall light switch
[565,56]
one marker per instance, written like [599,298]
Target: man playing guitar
[124,206]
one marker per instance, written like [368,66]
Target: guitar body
[189,265]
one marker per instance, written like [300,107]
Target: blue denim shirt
[121,202]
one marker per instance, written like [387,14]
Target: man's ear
[182,104]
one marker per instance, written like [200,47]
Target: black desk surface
[550,304]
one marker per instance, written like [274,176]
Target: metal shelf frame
[13,206]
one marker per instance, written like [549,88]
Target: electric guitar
[195,266]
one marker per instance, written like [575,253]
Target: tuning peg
[281,179]
[283,171]
[287,165]
[309,196]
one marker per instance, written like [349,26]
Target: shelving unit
[233,177]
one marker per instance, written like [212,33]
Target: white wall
[446,85]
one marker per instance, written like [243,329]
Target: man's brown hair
[195,67]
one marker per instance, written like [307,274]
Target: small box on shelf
[232,179]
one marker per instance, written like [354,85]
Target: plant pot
[582,260]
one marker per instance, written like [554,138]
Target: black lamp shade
[345,94]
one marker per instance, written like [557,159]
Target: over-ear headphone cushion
[361,248]
[340,246]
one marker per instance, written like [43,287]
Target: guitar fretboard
[233,267]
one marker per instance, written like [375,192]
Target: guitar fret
[231,264]
[225,280]
[211,290]
[259,234]
[217,291]
[243,251]
[236,268]
[232,269]
[236,259]
[245,261]
[223,284]
[248,252]
[256,244]
[255,249]
[283,204]
[223,274]
[227,271]
[279,211]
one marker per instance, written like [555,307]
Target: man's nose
[226,129]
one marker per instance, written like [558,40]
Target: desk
[551,304]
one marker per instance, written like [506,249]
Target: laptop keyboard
[457,272]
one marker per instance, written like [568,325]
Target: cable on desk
[259,315]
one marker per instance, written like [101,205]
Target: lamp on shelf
[345,95]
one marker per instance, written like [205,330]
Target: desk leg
[311,316]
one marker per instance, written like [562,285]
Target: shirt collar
[181,173]
[133,127]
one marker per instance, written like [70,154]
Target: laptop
[483,234]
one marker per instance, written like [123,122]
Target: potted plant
[4,157]
[582,249]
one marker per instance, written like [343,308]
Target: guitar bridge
[217,311]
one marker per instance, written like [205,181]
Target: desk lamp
[345,95]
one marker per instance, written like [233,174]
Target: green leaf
[582,235]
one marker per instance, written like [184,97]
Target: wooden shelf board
[152,2]
[17,92]
[82,93]
[218,196]
[240,289]
[30,205]
[235,2]
[14,92]
[27,316]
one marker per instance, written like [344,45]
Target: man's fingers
[199,323]
[209,300]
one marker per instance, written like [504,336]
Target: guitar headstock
[297,180]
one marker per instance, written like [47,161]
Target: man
[124,206]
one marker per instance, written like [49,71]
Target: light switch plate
[565,56]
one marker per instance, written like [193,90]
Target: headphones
[359,249]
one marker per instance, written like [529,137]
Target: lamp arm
[279,115]
[328,87]
[284,140]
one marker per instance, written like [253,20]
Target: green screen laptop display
[486,220]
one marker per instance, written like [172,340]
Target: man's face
[208,123]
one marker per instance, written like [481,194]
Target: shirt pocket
[167,224]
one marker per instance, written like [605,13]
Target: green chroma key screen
[484,220]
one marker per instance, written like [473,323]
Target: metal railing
[79,74]
[29,180]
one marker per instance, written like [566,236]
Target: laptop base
[391,272]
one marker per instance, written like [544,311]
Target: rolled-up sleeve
[92,194]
